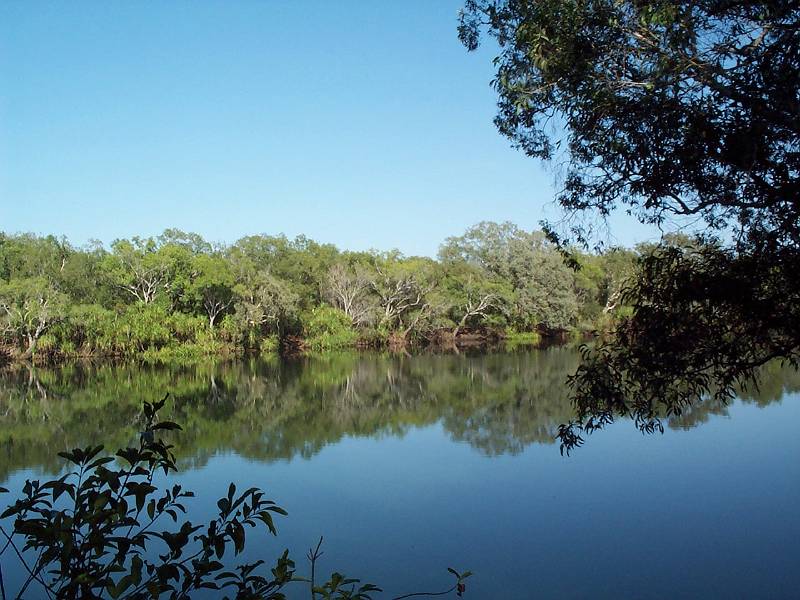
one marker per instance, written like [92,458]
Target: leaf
[237,534]
[168,425]
[68,456]
[266,518]
[101,461]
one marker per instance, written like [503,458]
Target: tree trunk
[461,324]
[32,343]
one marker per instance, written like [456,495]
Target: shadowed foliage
[102,530]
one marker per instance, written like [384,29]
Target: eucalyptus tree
[403,289]
[29,307]
[473,298]
[543,286]
[147,268]
[302,263]
[138,268]
[266,303]
[618,270]
[211,286]
[193,242]
[28,255]
[348,289]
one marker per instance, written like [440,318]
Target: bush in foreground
[99,532]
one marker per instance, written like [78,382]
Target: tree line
[178,296]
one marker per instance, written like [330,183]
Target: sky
[363,124]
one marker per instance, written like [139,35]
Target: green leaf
[168,425]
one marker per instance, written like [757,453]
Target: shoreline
[298,347]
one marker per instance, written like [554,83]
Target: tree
[211,285]
[619,267]
[327,328]
[402,287]
[145,296]
[668,109]
[146,268]
[348,290]
[705,321]
[472,297]
[192,242]
[137,267]
[265,300]
[27,255]
[301,262]
[542,285]
[29,307]
[478,304]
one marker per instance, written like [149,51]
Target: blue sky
[364,124]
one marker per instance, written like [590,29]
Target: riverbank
[291,345]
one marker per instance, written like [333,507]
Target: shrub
[96,532]
[326,328]
[92,328]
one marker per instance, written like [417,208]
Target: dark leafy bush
[106,530]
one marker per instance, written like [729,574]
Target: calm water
[408,465]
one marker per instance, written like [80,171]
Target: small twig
[36,570]
[312,556]
[2,584]
[444,593]
[25,564]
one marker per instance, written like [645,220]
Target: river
[410,464]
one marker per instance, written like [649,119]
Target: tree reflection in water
[269,409]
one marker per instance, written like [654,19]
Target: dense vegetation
[670,111]
[180,296]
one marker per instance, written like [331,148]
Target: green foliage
[176,297]
[109,528]
[328,328]
[684,338]
[667,109]
[211,287]
[267,306]
[515,339]
[29,308]
[90,530]
[91,328]
[541,288]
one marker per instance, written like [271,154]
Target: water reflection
[270,409]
